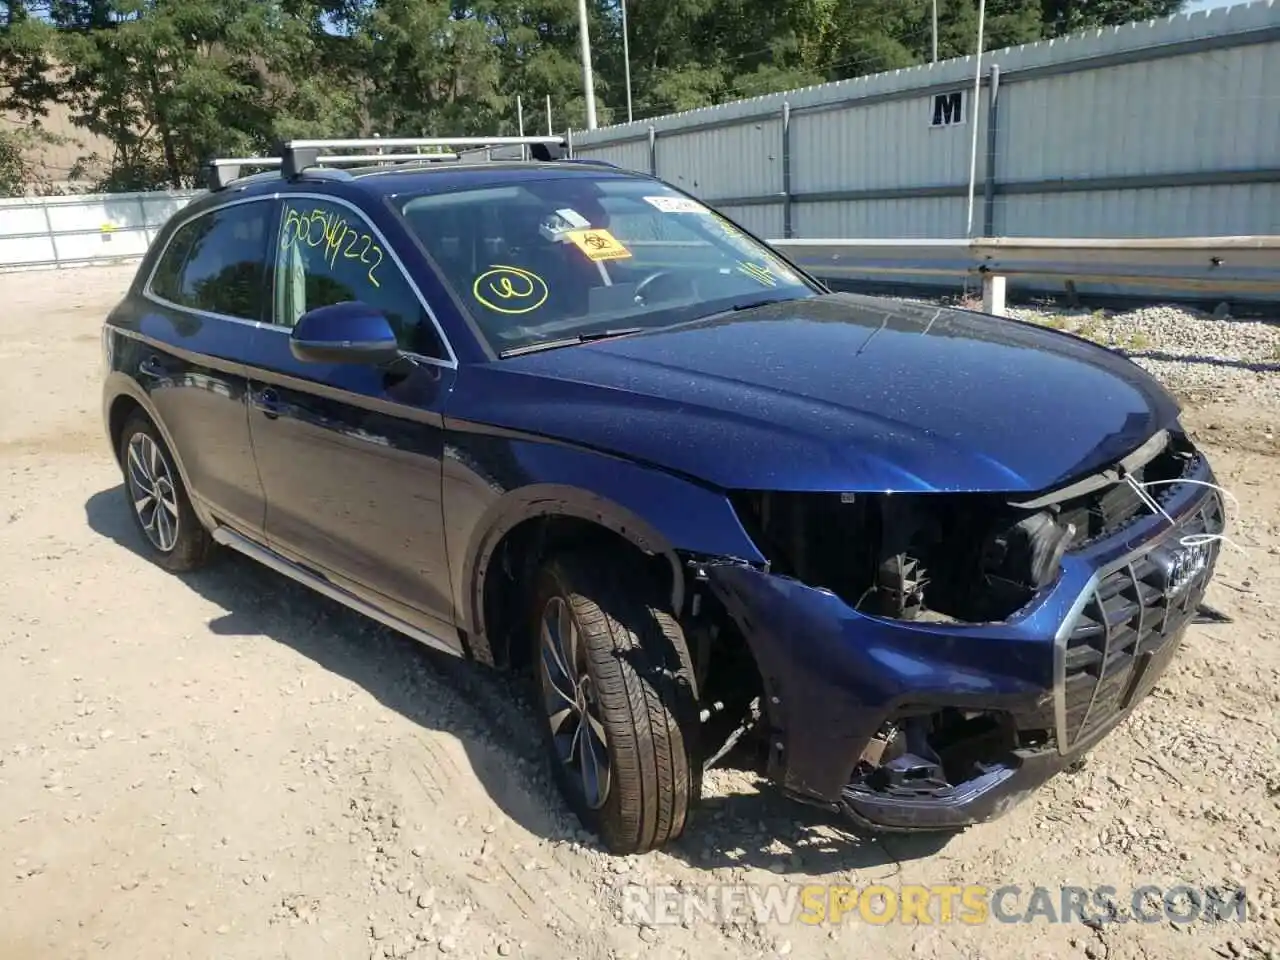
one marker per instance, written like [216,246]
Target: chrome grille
[1128,630]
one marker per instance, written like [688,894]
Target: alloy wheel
[153,492]
[571,703]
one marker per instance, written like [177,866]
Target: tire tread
[644,678]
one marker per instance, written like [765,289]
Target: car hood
[838,392]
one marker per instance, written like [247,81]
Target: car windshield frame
[767,276]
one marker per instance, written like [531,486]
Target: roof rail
[224,170]
[298,156]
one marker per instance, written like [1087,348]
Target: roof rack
[298,156]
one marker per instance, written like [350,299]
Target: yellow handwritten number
[334,232]
[759,273]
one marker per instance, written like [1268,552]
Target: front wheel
[158,501]
[615,684]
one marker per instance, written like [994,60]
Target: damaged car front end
[926,660]
[928,557]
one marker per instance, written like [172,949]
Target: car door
[197,318]
[350,455]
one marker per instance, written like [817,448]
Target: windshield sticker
[506,289]
[598,244]
[758,272]
[330,233]
[573,217]
[676,204]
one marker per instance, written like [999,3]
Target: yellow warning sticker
[598,244]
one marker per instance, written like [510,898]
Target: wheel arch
[125,397]
[528,525]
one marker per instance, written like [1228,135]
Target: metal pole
[626,59]
[550,131]
[786,171]
[588,81]
[524,150]
[989,180]
[973,116]
[935,32]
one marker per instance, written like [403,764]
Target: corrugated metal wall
[1167,128]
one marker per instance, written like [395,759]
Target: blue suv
[562,418]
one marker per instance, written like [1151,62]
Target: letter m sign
[948,109]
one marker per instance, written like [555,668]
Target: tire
[637,683]
[168,524]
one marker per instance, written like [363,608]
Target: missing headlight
[967,557]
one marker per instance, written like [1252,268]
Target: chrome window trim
[450,363]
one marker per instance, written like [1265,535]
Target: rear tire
[158,501]
[605,650]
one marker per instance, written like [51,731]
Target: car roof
[434,177]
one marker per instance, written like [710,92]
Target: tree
[171,82]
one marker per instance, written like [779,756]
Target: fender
[118,386]
[495,481]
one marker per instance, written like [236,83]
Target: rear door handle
[268,401]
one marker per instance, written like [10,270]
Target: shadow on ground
[1255,366]
[489,713]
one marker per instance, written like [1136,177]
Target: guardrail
[1218,266]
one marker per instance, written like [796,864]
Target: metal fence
[1165,128]
[85,229]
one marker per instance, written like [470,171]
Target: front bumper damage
[1022,698]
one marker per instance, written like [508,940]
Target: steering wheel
[656,275]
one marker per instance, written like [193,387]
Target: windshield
[550,261]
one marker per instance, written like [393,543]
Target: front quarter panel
[496,479]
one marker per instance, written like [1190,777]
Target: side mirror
[351,332]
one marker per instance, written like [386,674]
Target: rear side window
[217,262]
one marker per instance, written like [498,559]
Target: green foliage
[169,83]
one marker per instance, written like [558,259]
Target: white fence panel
[83,229]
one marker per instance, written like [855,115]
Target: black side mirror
[351,332]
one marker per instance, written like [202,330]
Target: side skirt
[229,538]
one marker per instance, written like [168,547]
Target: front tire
[615,682]
[158,501]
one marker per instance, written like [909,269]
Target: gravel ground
[1204,357]
[226,765]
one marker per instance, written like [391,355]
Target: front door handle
[268,401]
[153,366]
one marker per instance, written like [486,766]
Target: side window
[217,262]
[166,282]
[328,254]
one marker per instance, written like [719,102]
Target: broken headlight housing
[965,557]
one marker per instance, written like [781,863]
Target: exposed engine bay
[967,557]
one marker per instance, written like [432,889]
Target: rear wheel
[614,680]
[158,501]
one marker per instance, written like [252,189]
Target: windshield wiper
[568,341]
[753,304]
[739,307]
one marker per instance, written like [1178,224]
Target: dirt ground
[226,765]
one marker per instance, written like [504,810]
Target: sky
[1209,4]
